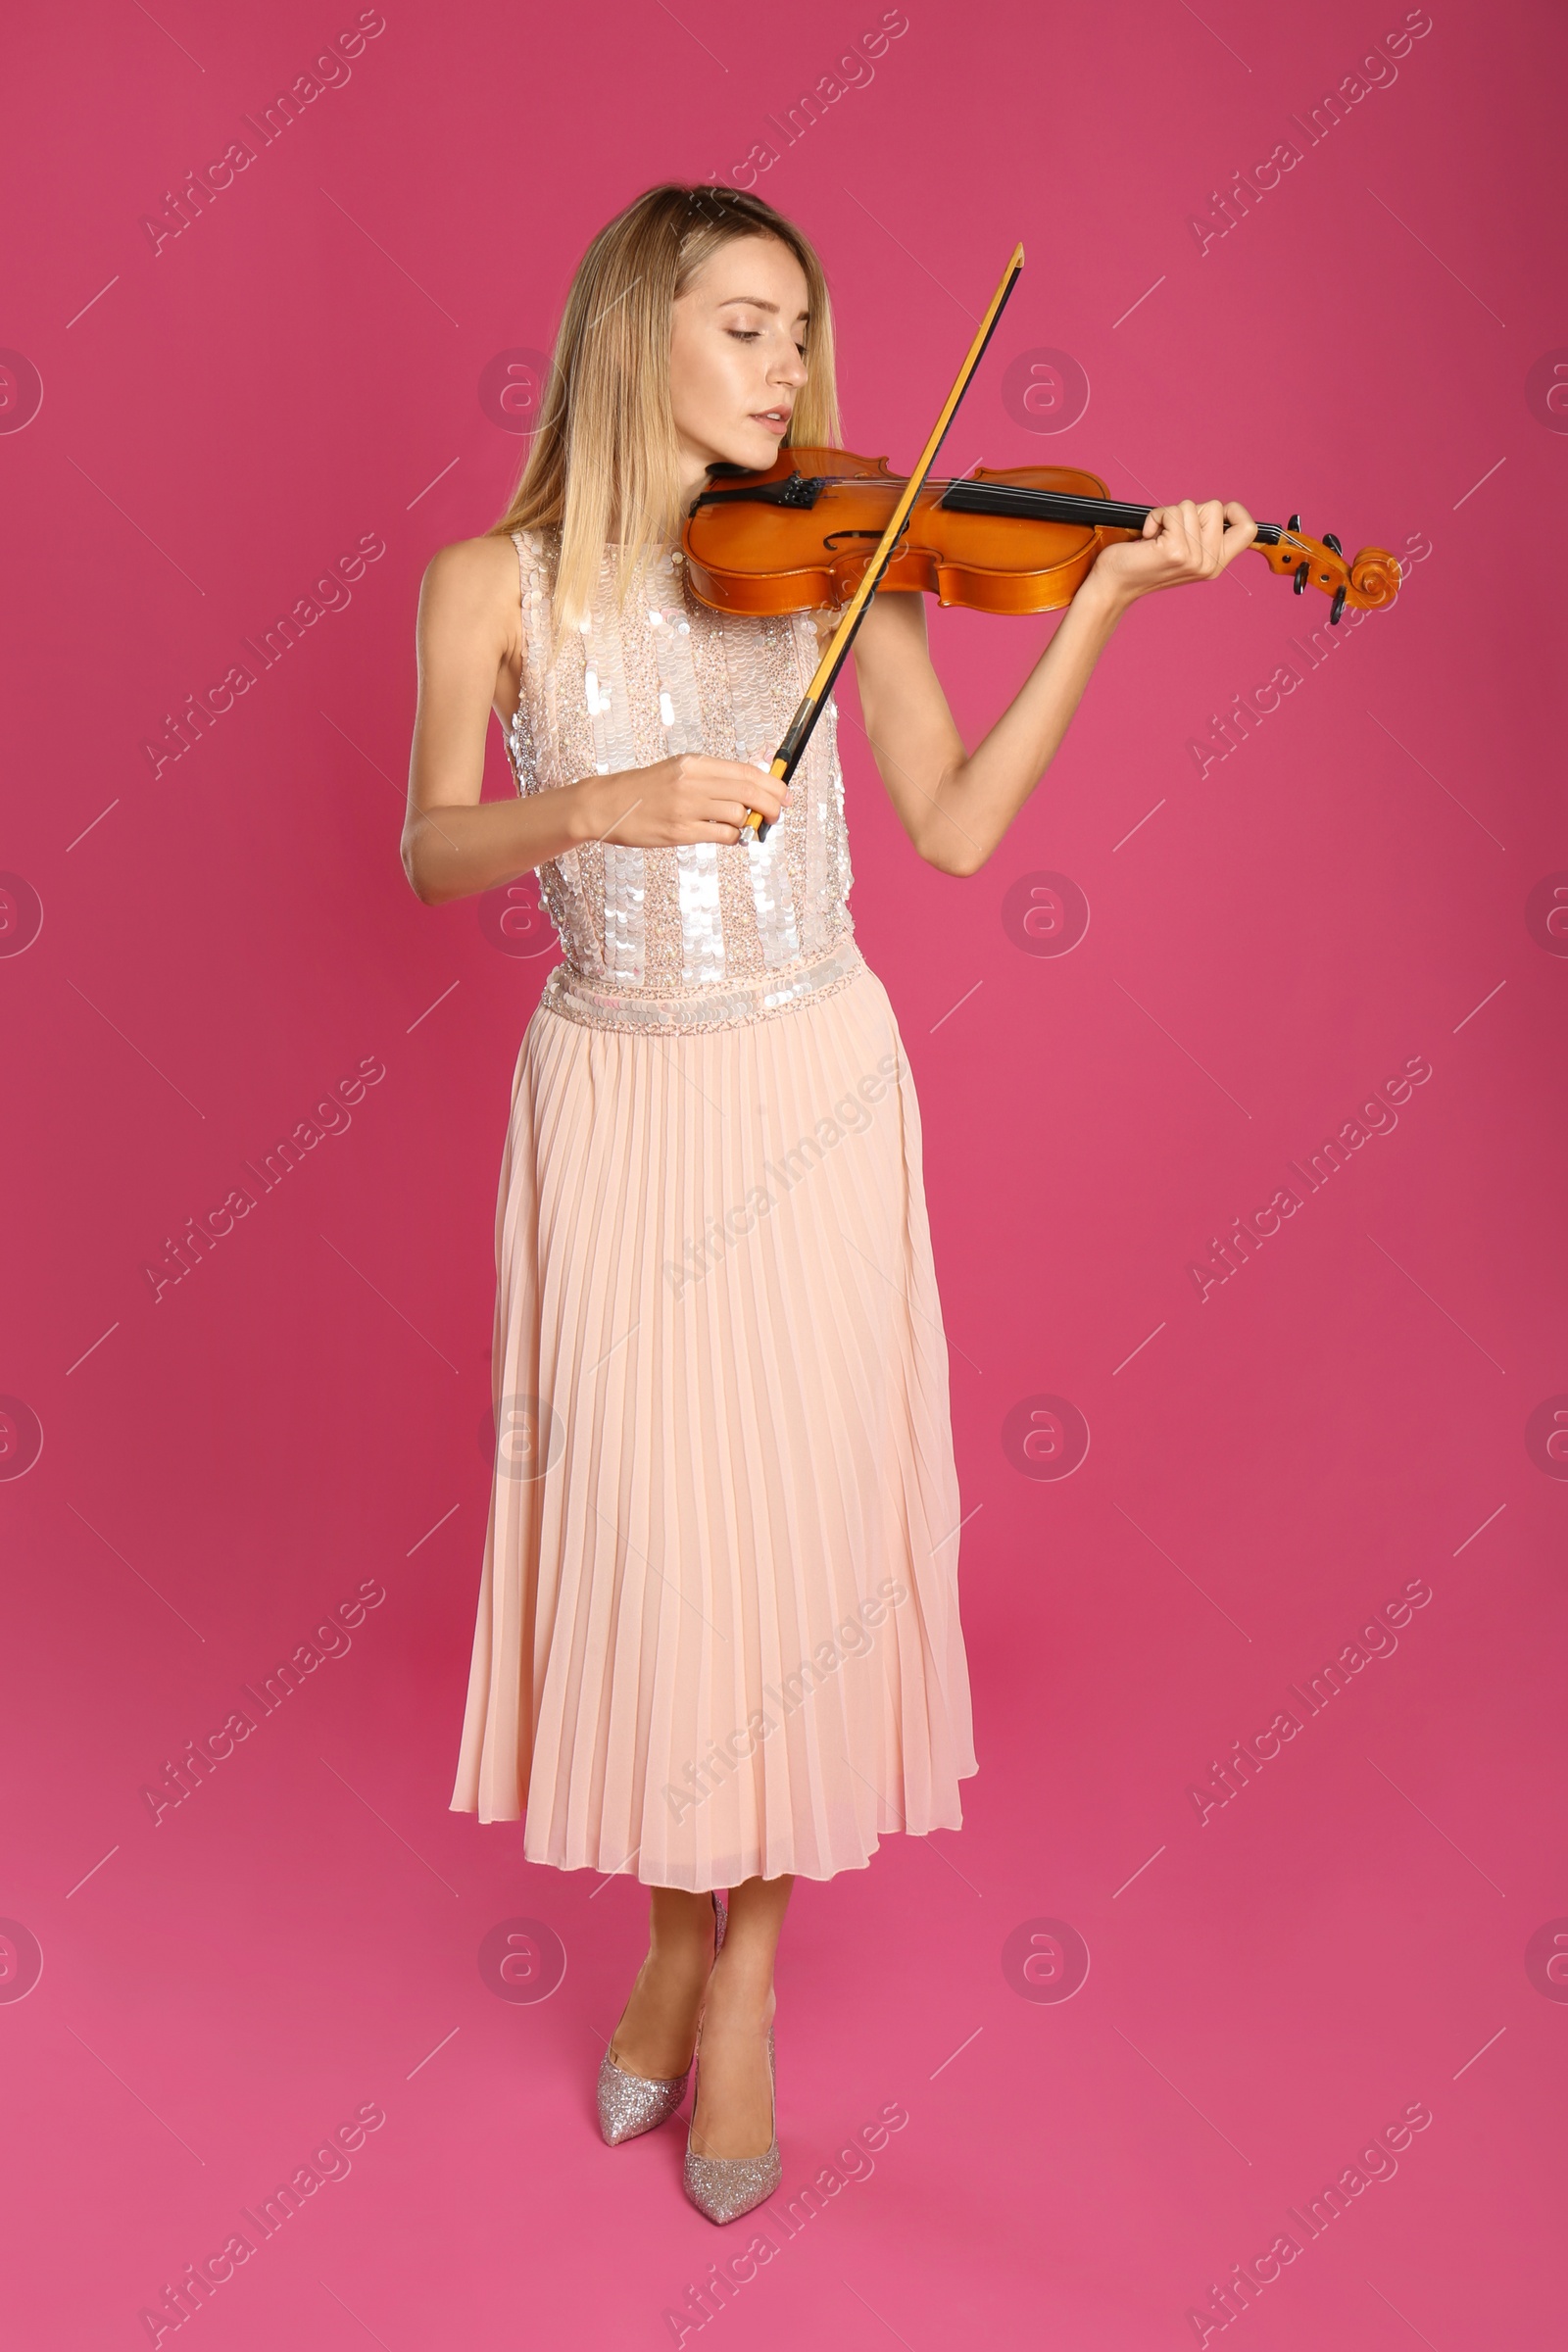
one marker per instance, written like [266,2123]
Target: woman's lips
[772,424]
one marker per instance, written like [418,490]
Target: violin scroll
[1367,580]
[1374,578]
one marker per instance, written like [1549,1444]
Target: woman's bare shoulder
[472,583]
[473,566]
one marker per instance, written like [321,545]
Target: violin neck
[1059,505]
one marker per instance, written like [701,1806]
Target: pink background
[1367,1926]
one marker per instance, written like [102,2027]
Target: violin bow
[788,755]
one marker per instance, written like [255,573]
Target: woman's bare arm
[468,636]
[956,807]
[470,641]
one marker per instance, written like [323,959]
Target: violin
[1004,539]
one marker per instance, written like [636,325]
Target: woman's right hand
[689,798]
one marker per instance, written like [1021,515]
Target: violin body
[747,558]
[800,536]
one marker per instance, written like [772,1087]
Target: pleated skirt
[717,1631]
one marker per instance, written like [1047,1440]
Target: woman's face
[736,356]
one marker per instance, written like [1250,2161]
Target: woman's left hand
[1180,543]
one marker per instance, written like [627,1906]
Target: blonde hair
[606,443]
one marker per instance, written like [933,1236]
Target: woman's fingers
[690,798]
[1239,534]
[736,779]
[765,796]
[1211,527]
[1181,536]
[1195,538]
[1186,541]
[1193,528]
[720,792]
[730,809]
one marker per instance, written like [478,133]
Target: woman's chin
[755,450]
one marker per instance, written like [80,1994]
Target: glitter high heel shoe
[632,2103]
[724,2187]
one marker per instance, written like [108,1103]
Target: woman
[718,1642]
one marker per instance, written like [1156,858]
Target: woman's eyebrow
[756,303]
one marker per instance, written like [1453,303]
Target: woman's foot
[658,2033]
[733,2115]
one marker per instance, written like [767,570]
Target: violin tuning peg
[1329,540]
[1294,524]
[1301,574]
[1338,606]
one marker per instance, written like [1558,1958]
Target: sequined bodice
[708,933]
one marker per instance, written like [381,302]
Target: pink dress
[717,1631]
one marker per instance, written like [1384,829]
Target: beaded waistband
[577,998]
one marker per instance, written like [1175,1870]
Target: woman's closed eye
[749,334]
